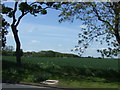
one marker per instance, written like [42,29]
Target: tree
[3,32]
[33,8]
[8,48]
[102,21]
[8,51]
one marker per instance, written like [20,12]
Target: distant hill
[48,53]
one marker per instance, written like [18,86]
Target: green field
[89,72]
[105,64]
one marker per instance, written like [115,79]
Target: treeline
[48,54]
[39,54]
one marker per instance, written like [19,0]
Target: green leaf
[43,11]
[39,7]
[57,6]
[24,7]
[10,14]
[6,10]
[49,3]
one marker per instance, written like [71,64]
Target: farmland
[74,62]
[97,70]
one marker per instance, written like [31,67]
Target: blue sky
[44,32]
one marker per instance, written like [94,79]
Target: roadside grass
[69,71]
[84,84]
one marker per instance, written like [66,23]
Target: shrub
[13,75]
[10,76]
[41,77]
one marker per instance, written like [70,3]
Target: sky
[44,32]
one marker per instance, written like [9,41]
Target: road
[6,86]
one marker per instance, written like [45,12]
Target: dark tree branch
[23,14]
[14,11]
[19,19]
[33,3]
[99,17]
[116,10]
[110,6]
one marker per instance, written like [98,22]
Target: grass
[84,84]
[71,72]
[73,62]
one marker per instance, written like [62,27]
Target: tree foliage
[8,48]
[8,51]
[24,8]
[102,21]
[3,32]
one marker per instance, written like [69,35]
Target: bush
[41,77]
[13,75]
[10,76]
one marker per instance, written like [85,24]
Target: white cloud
[34,41]
[54,34]
[47,28]
[83,26]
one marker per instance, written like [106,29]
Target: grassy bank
[72,72]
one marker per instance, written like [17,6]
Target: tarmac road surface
[6,86]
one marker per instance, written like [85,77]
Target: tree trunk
[117,22]
[117,37]
[17,41]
